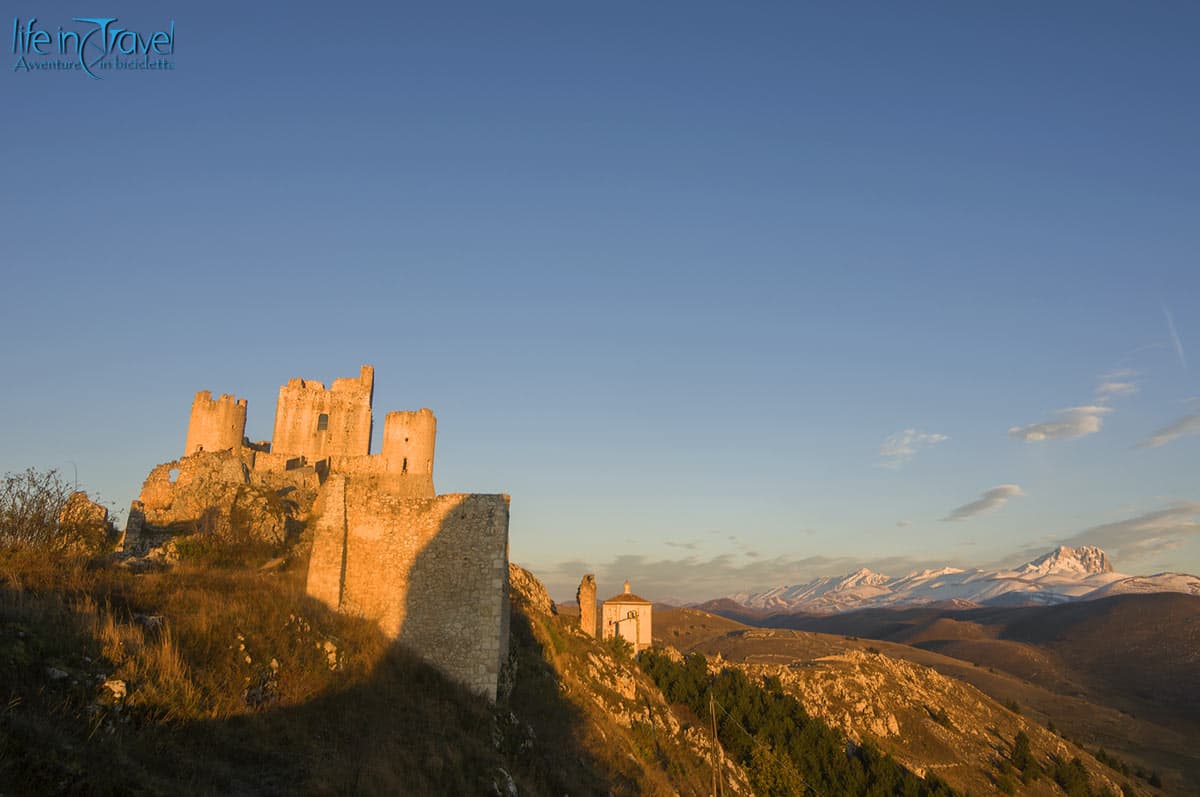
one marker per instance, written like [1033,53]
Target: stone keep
[432,570]
[313,422]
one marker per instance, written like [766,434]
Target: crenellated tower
[216,424]
[409,439]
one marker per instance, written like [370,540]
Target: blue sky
[676,277]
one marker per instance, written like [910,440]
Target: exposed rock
[150,622]
[526,587]
[927,721]
[83,523]
[620,702]
[331,654]
[112,692]
[504,785]
[1086,559]
[208,492]
[672,654]
[262,689]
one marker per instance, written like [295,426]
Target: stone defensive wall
[432,571]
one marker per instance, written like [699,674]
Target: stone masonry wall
[432,571]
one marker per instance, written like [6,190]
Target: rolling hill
[1118,671]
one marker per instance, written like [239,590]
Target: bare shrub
[30,503]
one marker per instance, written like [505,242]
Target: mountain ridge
[1062,575]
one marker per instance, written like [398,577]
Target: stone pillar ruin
[586,595]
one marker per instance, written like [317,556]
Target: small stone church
[628,616]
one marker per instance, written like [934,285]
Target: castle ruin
[431,570]
[586,597]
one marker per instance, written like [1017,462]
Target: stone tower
[409,439]
[216,424]
[586,595]
[313,422]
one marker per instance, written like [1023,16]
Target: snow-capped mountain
[1064,574]
[838,593]
[1083,561]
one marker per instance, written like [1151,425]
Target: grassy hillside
[228,680]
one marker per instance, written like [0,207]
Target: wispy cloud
[1069,423]
[1175,337]
[901,447]
[690,545]
[903,523]
[994,498]
[1113,389]
[1187,425]
[1083,420]
[1136,539]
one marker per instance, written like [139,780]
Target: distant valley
[1117,672]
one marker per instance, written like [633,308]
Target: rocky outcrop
[1085,560]
[83,524]
[208,492]
[620,706]
[928,722]
[529,591]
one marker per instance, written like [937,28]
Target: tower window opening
[322,422]
[404,465]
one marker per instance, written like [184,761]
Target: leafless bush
[38,511]
[30,503]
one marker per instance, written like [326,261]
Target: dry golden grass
[237,683]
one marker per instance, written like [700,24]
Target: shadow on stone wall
[456,608]
[432,571]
